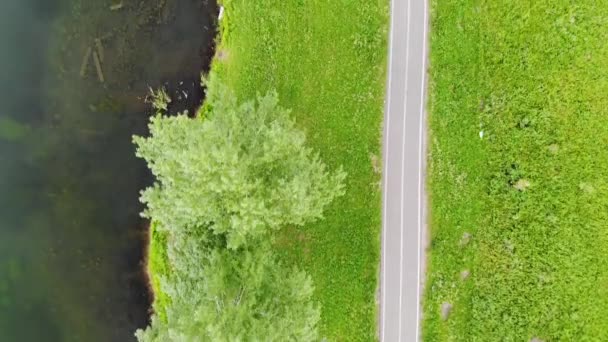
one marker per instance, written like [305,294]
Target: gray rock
[464,275]
[586,188]
[466,238]
[553,148]
[522,184]
[446,308]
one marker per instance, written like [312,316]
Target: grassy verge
[533,191]
[327,62]
[157,268]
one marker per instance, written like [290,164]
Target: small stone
[553,148]
[116,7]
[543,278]
[464,275]
[552,218]
[509,246]
[586,188]
[375,163]
[222,55]
[536,339]
[466,238]
[446,308]
[522,184]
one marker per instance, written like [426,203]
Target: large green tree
[241,170]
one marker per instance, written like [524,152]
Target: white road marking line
[419,303]
[407,67]
[387,128]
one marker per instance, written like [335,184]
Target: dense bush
[226,295]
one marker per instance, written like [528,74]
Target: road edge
[425,236]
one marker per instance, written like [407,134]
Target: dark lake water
[73,78]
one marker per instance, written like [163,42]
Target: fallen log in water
[98,67]
[85,62]
[100,51]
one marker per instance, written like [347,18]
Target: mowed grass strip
[533,191]
[327,61]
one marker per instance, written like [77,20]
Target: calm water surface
[71,240]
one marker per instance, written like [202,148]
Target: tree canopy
[241,170]
[224,183]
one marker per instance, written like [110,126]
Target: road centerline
[407,66]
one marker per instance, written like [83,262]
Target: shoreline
[154,260]
[146,237]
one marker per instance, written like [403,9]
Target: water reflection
[70,234]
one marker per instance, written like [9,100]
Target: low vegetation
[223,295]
[518,165]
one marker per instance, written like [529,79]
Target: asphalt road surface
[403,183]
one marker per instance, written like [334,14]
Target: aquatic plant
[159,99]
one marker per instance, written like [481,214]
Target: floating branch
[99,49]
[116,7]
[85,62]
[98,67]
[107,35]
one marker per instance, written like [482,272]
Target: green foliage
[534,79]
[241,171]
[159,99]
[225,295]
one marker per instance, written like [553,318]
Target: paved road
[404,140]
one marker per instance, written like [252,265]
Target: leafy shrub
[226,295]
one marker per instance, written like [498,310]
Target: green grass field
[533,192]
[327,60]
